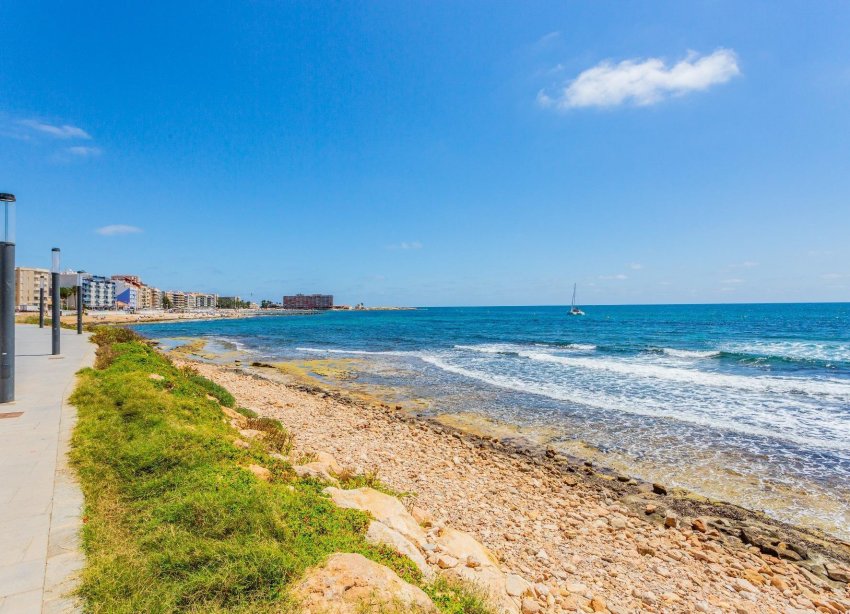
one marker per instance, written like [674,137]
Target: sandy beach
[589,539]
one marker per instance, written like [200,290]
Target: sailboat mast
[574,296]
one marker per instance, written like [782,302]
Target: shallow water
[746,403]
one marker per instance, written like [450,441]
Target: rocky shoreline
[588,539]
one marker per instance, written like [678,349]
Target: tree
[166,302]
[64,293]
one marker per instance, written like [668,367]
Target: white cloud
[636,266]
[734,280]
[642,82]
[406,245]
[831,276]
[619,276]
[84,152]
[117,229]
[746,264]
[65,131]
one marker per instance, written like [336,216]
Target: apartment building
[176,299]
[28,280]
[200,300]
[126,294]
[98,291]
[308,301]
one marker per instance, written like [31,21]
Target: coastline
[554,519]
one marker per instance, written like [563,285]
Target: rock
[329,462]
[444,561]
[618,522]
[379,533]
[261,472]
[779,583]
[597,605]
[650,508]
[489,576]
[384,508]
[156,377]
[837,573]
[315,470]
[671,521]
[422,517]
[516,586]
[471,561]
[698,524]
[659,489]
[251,433]
[351,584]
[577,587]
[232,414]
[241,444]
[530,606]
[645,550]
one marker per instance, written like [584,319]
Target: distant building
[127,295]
[308,301]
[199,300]
[155,297]
[177,299]
[27,282]
[98,291]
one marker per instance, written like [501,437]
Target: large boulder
[477,565]
[379,533]
[352,584]
[383,508]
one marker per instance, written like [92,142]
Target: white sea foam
[690,353]
[795,350]
[838,388]
[355,352]
[747,413]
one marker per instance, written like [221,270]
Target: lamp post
[79,303]
[7,300]
[41,301]
[57,308]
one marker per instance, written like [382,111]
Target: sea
[748,404]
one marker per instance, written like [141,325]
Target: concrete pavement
[40,502]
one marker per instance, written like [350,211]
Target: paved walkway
[40,503]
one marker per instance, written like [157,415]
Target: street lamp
[41,280]
[7,300]
[57,308]
[79,303]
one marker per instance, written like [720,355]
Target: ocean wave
[793,425]
[813,351]
[355,352]
[634,368]
[677,353]
[513,348]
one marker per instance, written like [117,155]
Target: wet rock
[351,584]
[837,573]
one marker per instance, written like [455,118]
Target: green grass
[173,520]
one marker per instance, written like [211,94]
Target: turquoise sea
[745,403]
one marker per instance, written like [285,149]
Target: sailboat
[575,311]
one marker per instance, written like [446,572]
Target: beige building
[27,283]
[156,298]
[177,299]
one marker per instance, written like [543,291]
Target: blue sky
[436,153]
